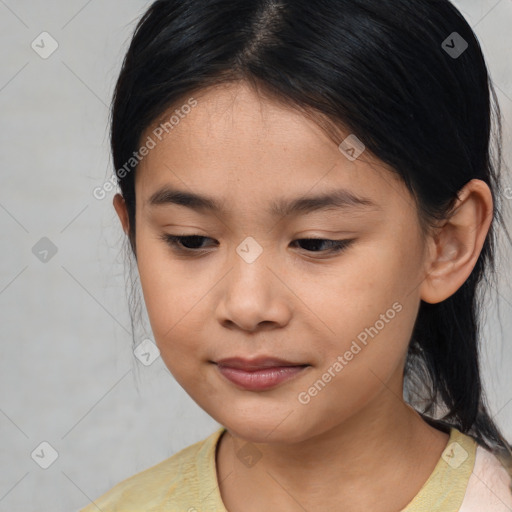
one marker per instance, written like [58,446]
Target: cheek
[351,296]
[173,302]
[363,363]
[367,310]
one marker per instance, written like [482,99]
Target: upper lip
[256,363]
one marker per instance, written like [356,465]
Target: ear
[122,212]
[456,244]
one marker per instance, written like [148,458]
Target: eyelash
[174,240]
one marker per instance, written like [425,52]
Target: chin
[265,429]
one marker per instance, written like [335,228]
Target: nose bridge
[250,250]
[250,272]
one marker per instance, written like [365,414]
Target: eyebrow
[336,199]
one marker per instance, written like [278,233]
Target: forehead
[236,145]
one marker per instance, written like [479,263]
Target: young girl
[311,199]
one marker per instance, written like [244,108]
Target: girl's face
[252,288]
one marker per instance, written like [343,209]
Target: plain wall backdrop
[68,376]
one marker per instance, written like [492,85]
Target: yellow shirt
[467,478]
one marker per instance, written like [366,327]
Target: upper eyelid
[193,235]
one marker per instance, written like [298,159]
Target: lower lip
[258,380]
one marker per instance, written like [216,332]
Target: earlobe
[122,212]
[456,245]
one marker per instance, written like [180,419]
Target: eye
[182,242]
[335,245]
[192,243]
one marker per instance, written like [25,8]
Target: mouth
[256,364]
[259,374]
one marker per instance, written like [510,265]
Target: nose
[253,296]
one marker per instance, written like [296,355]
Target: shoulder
[174,482]
[490,485]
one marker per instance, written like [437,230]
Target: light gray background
[67,372]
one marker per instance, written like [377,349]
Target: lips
[258,363]
[259,374]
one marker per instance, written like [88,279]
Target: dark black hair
[407,78]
